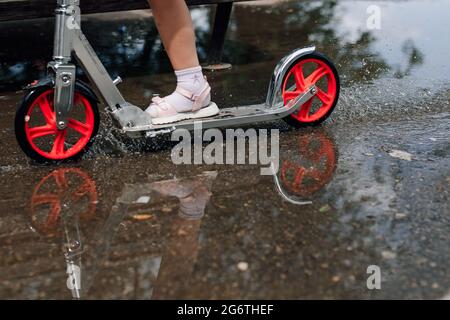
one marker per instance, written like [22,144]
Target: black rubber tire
[319,56]
[19,125]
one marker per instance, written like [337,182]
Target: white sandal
[162,112]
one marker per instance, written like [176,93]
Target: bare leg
[191,98]
[174,24]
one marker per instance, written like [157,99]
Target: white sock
[190,79]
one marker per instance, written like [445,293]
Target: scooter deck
[235,115]
[229,117]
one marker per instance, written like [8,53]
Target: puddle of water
[137,224]
[410,40]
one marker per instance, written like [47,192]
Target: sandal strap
[198,98]
[163,105]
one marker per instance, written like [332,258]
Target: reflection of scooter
[59,116]
[306,169]
[63,198]
[57,214]
[62,189]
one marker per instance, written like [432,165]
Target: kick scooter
[59,118]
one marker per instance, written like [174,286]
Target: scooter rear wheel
[37,133]
[312,69]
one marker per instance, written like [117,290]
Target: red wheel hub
[44,136]
[314,169]
[62,185]
[322,76]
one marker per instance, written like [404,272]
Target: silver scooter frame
[70,40]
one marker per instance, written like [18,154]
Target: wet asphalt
[140,227]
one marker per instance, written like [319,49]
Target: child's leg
[175,27]
[177,32]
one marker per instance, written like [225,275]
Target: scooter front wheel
[311,69]
[37,133]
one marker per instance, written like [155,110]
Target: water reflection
[57,211]
[129,46]
[63,205]
[58,196]
[307,167]
[94,227]
[302,22]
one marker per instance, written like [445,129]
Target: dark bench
[32,9]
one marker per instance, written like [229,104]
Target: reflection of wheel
[36,131]
[64,190]
[312,69]
[311,167]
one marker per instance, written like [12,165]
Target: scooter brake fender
[274,98]
[47,81]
